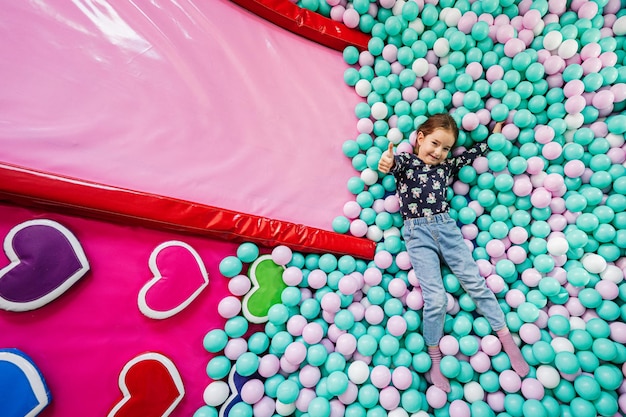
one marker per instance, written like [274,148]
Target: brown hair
[439,121]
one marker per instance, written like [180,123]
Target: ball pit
[542,213]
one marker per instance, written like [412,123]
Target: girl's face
[433,149]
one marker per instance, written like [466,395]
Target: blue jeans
[430,240]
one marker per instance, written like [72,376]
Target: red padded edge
[70,195]
[306,23]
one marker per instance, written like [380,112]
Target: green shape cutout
[267,287]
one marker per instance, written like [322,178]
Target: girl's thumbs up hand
[386,160]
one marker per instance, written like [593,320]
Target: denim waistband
[435,218]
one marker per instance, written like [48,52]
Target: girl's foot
[518,363]
[439,380]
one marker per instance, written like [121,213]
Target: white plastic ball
[612,273]
[374,233]
[358,372]
[619,26]
[285,409]
[568,48]
[613,139]
[418,26]
[441,47]
[557,246]
[548,376]
[398,412]
[397,8]
[216,393]
[363,88]
[395,135]
[392,231]
[577,323]
[420,67]
[594,263]
[379,110]
[472,391]
[369,176]
[562,344]
[574,121]
[552,40]
[452,16]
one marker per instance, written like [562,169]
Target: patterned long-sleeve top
[422,188]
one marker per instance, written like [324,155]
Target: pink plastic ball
[480,362]
[495,248]
[317,279]
[529,333]
[252,391]
[380,376]
[331,302]
[264,408]
[522,187]
[358,228]
[383,259]
[607,289]
[414,299]
[491,345]
[470,121]
[513,47]
[396,326]
[372,276]
[268,366]
[309,376]
[403,261]
[358,310]
[603,99]
[459,408]
[295,353]
[304,399]
[449,345]
[281,255]
[397,287]
[436,397]
[552,150]
[535,165]
[346,344]
[312,333]
[518,235]
[351,18]
[389,398]
[574,169]
[515,298]
[532,389]
[348,285]
[510,381]
[235,348]
[374,314]
[296,324]
[495,283]
[516,254]
[229,307]
[350,395]
[401,377]
[352,209]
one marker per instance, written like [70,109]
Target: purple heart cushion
[46,260]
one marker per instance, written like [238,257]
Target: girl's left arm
[470,155]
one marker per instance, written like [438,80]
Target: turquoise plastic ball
[218,367]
